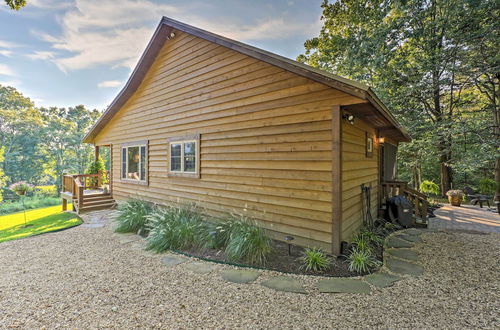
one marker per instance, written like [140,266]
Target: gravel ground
[91,278]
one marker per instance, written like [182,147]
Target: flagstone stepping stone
[404,254]
[286,284]
[343,285]
[410,238]
[413,231]
[200,267]
[173,259]
[239,276]
[381,280]
[394,242]
[404,267]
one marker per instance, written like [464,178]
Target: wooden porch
[86,192]
[420,203]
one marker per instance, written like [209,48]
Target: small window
[134,161]
[184,157]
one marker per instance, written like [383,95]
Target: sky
[65,53]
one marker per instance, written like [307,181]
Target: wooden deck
[84,191]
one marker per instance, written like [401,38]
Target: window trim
[181,140]
[145,144]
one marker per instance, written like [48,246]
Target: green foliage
[366,239]
[315,260]
[176,228]
[132,216]
[435,64]
[487,186]
[30,202]
[362,261]
[245,241]
[15,4]
[46,191]
[95,167]
[429,187]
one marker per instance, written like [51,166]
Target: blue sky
[65,53]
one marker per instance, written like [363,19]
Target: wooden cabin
[233,128]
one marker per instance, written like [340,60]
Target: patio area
[466,218]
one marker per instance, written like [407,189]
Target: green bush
[95,167]
[245,241]
[46,191]
[34,202]
[361,261]
[369,236]
[177,228]
[132,216]
[487,186]
[315,260]
[429,188]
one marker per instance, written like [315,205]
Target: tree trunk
[445,173]
[497,178]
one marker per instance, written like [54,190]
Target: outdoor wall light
[348,117]
[381,140]
[289,239]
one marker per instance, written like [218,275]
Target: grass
[34,202]
[315,260]
[178,228]
[40,221]
[246,241]
[132,216]
[361,261]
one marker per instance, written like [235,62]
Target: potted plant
[455,197]
[21,188]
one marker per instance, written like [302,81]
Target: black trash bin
[399,209]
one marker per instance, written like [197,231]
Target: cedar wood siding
[357,169]
[265,138]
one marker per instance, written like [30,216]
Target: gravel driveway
[89,277]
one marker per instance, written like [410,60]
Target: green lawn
[40,221]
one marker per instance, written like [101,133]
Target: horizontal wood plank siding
[357,169]
[265,138]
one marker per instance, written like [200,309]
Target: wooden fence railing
[419,200]
[87,181]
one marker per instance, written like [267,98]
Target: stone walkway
[465,218]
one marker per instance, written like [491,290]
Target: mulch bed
[281,261]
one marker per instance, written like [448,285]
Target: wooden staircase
[94,202]
[419,200]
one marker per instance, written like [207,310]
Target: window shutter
[124,163]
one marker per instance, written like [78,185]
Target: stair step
[96,207]
[98,202]
[96,197]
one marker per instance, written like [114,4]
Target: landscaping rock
[404,254]
[200,267]
[283,283]
[381,280]
[413,231]
[92,225]
[343,285]
[410,238]
[173,259]
[404,267]
[239,276]
[395,242]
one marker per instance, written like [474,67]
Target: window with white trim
[134,161]
[183,157]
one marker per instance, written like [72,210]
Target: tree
[15,4]
[412,53]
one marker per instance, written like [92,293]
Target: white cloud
[6,71]
[109,83]
[13,83]
[49,4]
[7,44]
[103,32]
[41,55]
[6,53]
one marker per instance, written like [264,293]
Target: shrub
[369,236]
[132,216]
[429,188]
[487,186]
[361,261]
[46,191]
[315,260]
[95,167]
[245,241]
[177,228]
[35,202]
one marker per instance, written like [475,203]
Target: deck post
[64,204]
[96,153]
[336,179]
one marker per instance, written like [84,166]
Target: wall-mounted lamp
[348,117]
[381,140]
[171,36]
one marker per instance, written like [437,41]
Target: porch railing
[87,181]
[419,200]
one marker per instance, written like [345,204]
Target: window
[134,163]
[184,156]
